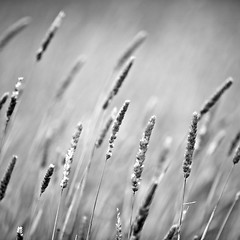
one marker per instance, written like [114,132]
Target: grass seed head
[50,34]
[138,40]
[214,145]
[13,31]
[171,233]
[3,99]
[118,83]
[190,146]
[118,226]
[106,128]
[69,156]
[143,212]
[47,178]
[215,97]
[234,143]
[83,228]
[6,179]
[70,77]
[19,233]
[14,99]
[115,128]
[141,155]
[236,157]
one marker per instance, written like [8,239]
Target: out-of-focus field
[192,47]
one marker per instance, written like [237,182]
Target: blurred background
[191,48]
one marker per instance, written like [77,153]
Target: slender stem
[57,213]
[130,222]
[76,173]
[183,197]
[1,144]
[226,218]
[32,216]
[95,202]
[215,207]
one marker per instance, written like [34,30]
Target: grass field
[190,50]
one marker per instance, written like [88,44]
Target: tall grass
[82,203]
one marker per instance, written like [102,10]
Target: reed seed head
[47,178]
[19,233]
[190,146]
[215,97]
[69,156]
[50,34]
[118,83]
[6,179]
[141,155]
[115,128]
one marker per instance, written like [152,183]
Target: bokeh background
[192,47]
